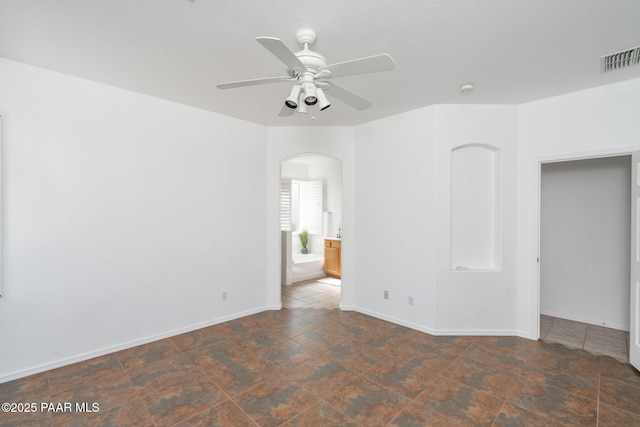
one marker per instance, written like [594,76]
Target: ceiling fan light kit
[309,89]
[310,72]
[322,99]
[302,107]
[292,99]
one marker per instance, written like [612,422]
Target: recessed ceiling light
[467,87]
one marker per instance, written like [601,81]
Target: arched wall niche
[476,201]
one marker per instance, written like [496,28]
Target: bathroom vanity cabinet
[332,248]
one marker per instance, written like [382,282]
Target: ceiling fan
[310,73]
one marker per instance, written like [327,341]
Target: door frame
[536,194]
[342,201]
[1,208]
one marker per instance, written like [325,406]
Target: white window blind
[313,206]
[301,206]
[285,204]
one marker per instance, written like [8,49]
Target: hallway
[316,293]
[594,339]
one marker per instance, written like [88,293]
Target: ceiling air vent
[621,59]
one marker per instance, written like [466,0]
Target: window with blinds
[285,204]
[311,207]
[301,206]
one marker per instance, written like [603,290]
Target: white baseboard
[308,276]
[478,332]
[396,321]
[123,346]
[445,332]
[526,335]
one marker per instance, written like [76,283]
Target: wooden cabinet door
[332,261]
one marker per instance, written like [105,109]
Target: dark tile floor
[326,367]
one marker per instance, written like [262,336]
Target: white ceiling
[514,51]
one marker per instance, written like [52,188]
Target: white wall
[395,217]
[593,122]
[403,215]
[287,142]
[330,171]
[295,170]
[118,219]
[585,240]
[477,302]
[119,228]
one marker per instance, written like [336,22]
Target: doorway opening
[311,231]
[584,253]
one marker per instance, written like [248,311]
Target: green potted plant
[304,240]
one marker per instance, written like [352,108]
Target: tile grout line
[338,410]
[542,414]
[508,392]
[229,398]
[598,396]
[135,393]
[323,398]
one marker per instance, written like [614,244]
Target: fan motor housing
[312,60]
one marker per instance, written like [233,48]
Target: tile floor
[326,367]
[311,294]
[594,339]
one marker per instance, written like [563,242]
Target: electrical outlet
[386,294]
[224,296]
[410,300]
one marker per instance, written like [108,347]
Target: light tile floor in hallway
[316,293]
[594,339]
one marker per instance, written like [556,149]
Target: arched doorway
[310,226]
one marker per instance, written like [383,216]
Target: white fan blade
[348,97]
[283,53]
[370,64]
[286,111]
[253,82]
